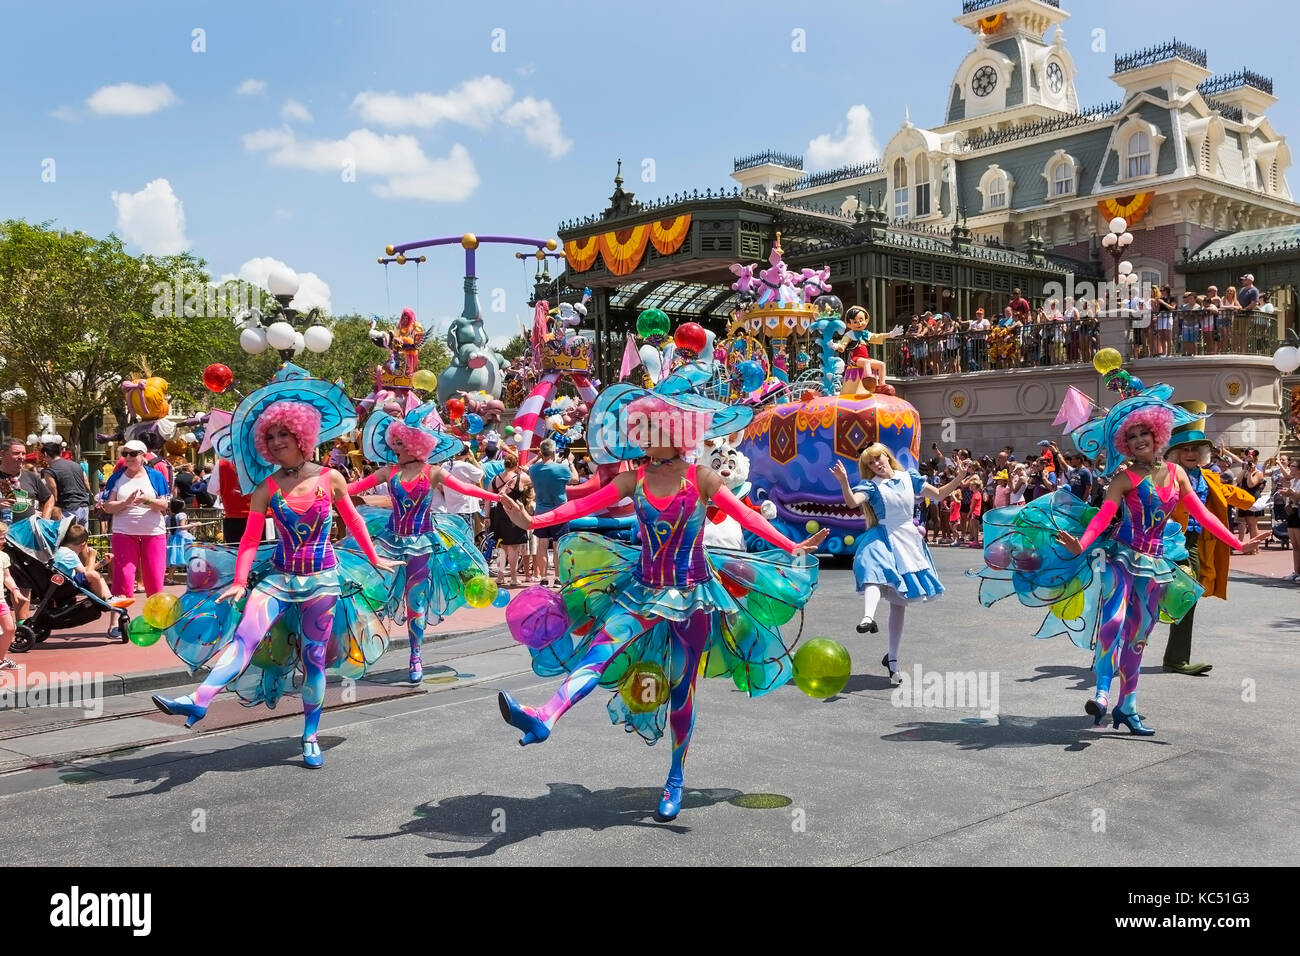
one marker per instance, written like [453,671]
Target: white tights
[897,613]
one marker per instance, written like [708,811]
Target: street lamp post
[286,330]
[1117,242]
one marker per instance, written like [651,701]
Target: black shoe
[867,626]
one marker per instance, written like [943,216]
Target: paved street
[432,775]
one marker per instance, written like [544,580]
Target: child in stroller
[64,593]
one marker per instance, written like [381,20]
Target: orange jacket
[1213,553]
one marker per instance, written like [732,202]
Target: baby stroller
[58,602]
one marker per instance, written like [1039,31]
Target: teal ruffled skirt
[750,596]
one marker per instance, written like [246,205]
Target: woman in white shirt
[138,500]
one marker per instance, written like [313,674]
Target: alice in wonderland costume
[892,553]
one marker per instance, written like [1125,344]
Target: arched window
[922,166]
[1139,154]
[900,189]
[1063,179]
[998,191]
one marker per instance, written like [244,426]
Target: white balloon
[1286,359]
[318,338]
[299,343]
[253,341]
[280,335]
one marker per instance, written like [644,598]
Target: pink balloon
[536,617]
[998,556]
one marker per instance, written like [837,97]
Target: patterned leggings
[688,640]
[1129,612]
[260,613]
[417,601]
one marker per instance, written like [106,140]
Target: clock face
[1055,77]
[984,80]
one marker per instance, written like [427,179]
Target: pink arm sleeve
[1196,508]
[730,505]
[1099,523]
[365,484]
[465,488]
[606,497]
[248,547]
[356,527]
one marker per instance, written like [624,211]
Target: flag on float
[1075,410]
[631,359]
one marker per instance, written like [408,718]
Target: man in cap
[1207,557]
[1248,294]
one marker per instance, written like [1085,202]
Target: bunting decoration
[992,24]
[667,235]
[1132,208]
[580,254]
[622,249]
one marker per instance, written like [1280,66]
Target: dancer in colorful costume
[642,618]
[309,604]
[436,551]
[1113,593]
[891,560]
[1206,558]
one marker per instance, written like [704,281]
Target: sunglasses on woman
[132,454]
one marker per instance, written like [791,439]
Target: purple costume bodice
[672,535]
[1146,510]
[304,536]
[411,504]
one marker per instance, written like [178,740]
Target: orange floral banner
[622,249]
[1132,208]
[992,24]
[667,235]
[581,254]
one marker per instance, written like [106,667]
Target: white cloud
[251,87]
[293,110]
[526,70]
[541,125]
[856,146]
[131,99]
[66,113]
[475,103]
[313,292]
[153,218]
[409,172]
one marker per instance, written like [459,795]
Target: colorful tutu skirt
[1022,557]
[453,560]
[179,546]
[358,638]
[750,596]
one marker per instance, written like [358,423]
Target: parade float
[823,414]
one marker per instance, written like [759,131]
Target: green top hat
[1193,433]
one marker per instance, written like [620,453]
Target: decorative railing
[1228,332]
[676,199]
[1232,81]
[1257,251]
[789,160]
[1041,127]
[851,171]
[1226,110]
[1158,54]
[970,6]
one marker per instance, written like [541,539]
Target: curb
[117,685]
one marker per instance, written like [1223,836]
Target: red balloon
[455,408]
[690,337]
[217,378]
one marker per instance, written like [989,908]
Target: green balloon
[822,667]
[480,591]
[768,610]
[652,322]
[142,633]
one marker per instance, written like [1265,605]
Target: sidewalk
[126,668]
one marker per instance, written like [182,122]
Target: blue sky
[247,138]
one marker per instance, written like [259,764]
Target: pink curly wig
[1159,421]
[299,417]
[652,422]
[418,443]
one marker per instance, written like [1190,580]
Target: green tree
[515,348]
[79,314]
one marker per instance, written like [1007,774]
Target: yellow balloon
[424,380]
[1107,360]
[162,610]
[1069,609]
[811,527]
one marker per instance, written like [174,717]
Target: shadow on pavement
[172,769]
[1082,676]
[495,821]
[1071,733]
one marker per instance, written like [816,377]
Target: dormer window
[1139,155]
[995,186]
[900,189]
[922,186]
[1062,174]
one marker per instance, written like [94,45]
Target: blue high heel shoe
[513,713]
[1096,706]
[1133,722]
[417,671]
[180,707]
[311,755]
[670,805]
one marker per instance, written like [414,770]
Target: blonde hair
[875,450]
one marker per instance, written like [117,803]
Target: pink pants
[149,552]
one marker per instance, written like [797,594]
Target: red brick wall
[1160,244]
